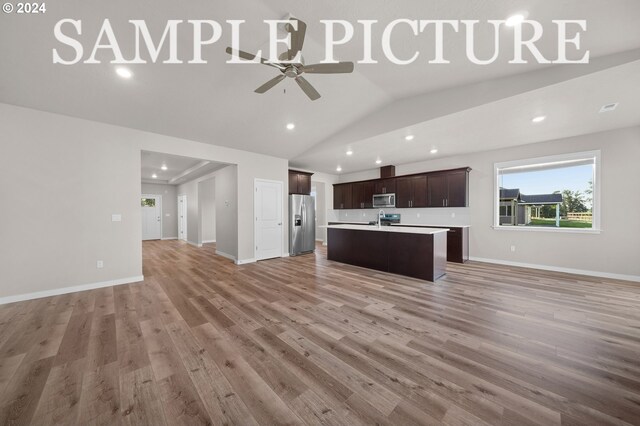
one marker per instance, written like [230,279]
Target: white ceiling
[571,108]
[215,103]
[179,169]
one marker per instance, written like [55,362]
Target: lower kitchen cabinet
[457,242]
[419,255]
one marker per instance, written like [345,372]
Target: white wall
[65,177]
[61,179]
[227,217]
[207,204]
[217,191]
[615,250]
[327,181]
[169,207]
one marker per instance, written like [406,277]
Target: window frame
[596,197]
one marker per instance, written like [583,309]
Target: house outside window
[557,193]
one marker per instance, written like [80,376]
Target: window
[558,193]
[148,202]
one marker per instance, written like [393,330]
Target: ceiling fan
[296,70]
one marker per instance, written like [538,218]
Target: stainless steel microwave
[384,200]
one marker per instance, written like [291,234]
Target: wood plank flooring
[307,341]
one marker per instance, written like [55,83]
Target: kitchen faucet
[381,216]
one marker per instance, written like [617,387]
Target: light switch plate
[116,218]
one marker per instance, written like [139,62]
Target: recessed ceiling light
[123,72]
[154,176]
[409,138]
[539,119]
[514,20]
[378,161]
[434,151]
[164,167]
[349,152]
[338,169]
[291,126]
[609,107]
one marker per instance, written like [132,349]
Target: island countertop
[415,225]
[398,229]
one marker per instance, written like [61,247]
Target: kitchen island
[413,252]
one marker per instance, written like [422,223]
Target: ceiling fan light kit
[295,70]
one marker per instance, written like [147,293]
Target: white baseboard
[208,241]
[245,261]
[285,255]
[598,274]
[170,238]
[223,254]
[193,244]
[65,290]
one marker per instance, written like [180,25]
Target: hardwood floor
[307,341]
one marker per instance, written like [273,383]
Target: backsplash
[415,216]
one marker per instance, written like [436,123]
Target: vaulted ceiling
[448,106]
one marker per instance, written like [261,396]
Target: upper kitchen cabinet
[384,186]
[411,191]
[299,182]
[445,188]
[343,196]
[449,188]
[362,193]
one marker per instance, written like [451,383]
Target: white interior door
[151,217]
[268,213]
[182,217]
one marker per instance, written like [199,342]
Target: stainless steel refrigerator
[302,224]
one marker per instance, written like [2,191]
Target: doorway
[151,217]
[268,214]
[182,217]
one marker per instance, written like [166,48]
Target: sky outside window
[575,178]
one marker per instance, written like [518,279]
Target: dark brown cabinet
[299,182]
[411,191]
[384,186]
[343,196]
[420,256]
[458,186]
[448,189]
[457,241]
[363,195]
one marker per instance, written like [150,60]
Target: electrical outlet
[418,215]
[453,214]
[99,264]
[513,248]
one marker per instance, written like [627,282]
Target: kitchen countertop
[421,225]
[405,230]
[417,225]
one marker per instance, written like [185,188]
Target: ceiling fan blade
[269,84]
[297,38]
[250,56]
[307,88]
[339,68]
